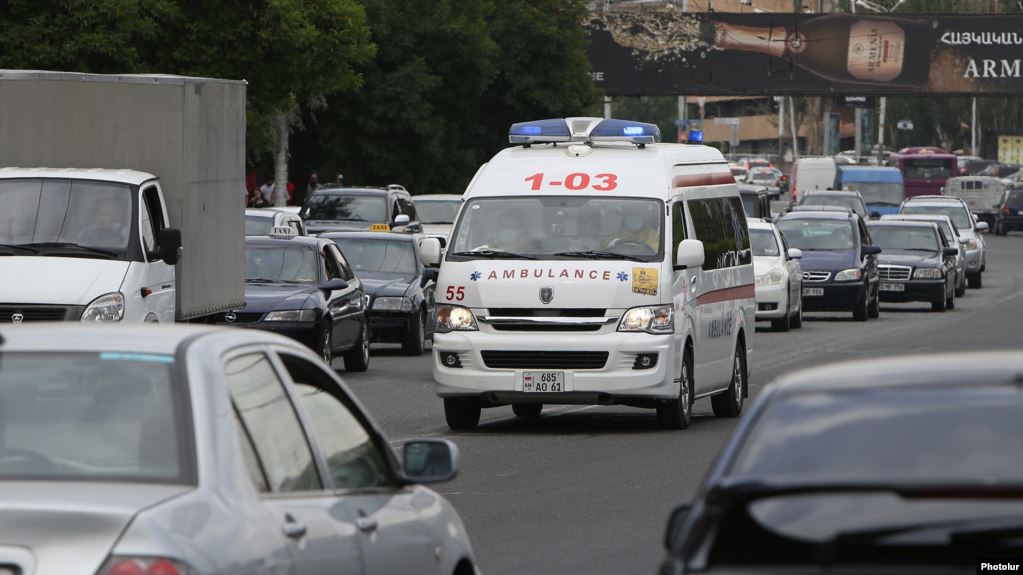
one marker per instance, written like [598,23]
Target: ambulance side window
[678,228]
[720,224]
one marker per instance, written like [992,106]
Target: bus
[924,170]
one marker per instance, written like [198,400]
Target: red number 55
[456,293]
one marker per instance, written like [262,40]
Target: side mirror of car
[983,227]
[871,250]
[690,255]
[875,215]
[950,252]
[334,284]
[430,275]
[429,460]
[169,241]
[401,220]
[675,522]
[795,253]
[429,250]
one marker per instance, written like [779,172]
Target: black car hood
[906,258]
[270,297]
[828,261]
[386,287]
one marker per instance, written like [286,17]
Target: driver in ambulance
[638,227]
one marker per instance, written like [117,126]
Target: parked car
[954,239]
[917,263]
[848,199]
[827,474]
[303,288]
[839,261]
[982,195]
[360,209]
[437,213]
[756,202]
[260,221]
[968,227]
[398,274]
[1010,212]
[178,450]
[779,279]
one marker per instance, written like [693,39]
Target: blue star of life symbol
[622,276]
[475,276]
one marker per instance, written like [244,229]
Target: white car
[260,221]
[779,278]
[437,213]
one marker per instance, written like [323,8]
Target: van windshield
[879,193]
[560,227]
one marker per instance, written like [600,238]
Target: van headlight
[849,275]
[454,318]
[927,273]
[105,308]
[773,277]
[656,319]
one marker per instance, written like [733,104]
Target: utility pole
[792,125]
[607,106]
[858,111]
[973,129]
[781,128]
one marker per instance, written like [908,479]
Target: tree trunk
[282,129]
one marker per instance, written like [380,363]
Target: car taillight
[144,566]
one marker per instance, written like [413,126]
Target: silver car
[952,234]
[966,224]
[181,450]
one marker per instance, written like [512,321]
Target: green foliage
[660,110]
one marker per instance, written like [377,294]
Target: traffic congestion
[609,353]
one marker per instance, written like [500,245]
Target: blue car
[881,188]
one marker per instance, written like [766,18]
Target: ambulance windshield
[560,227]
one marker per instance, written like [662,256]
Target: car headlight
[107,307]
[927,273]
[392,304]
[848,275]
[454,318]
[773,277]
[972,245]
[657,319]
[291,315]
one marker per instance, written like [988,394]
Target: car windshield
[764,243]
[956,212]
[258,225]
[879,193]
[751,205]
[437,211]
[346,207]
[844,202]
[817,234]
[381,259]
[91,417]
[555,227]
[85,213]
[907,238]
[287,264]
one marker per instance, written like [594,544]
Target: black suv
[756,202]
[918,263]
[839,261]
[1010,213]
[360,209]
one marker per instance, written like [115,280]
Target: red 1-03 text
[575,181]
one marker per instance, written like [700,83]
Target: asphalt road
[588,489]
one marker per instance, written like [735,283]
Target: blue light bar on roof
[626,130]
[695,137]
[538,131]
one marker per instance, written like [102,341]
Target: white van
[983,194]
[809,174]
[591,265]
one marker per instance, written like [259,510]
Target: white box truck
[121,198]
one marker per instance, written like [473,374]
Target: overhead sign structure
[672,52]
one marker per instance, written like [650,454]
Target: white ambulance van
[591,265]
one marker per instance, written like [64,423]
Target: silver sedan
[179,451]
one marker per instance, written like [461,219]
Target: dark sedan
[916,263]
[1010,213]
[906,465]
[303,288]
[398,281]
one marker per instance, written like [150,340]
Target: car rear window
[1015,199]
[258,225]
[92,417]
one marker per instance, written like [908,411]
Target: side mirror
[334,284]
[675,522]
[983,227]
[429,250]
[795,253]
[429,460]
[875,215]
[690,254]
[169,241]
[430,275]
[871,250]
[401,220]
[950,252]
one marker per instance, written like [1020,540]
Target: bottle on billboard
[842,47]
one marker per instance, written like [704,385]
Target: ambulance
[592,265]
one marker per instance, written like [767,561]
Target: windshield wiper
[494,255]
[73,247]
[18,247]
[261,281]
[599,255]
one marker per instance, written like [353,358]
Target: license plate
[892,287]
[543,381]
[813,291]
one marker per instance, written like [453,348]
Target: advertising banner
[680,53]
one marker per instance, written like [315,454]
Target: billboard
[679,53]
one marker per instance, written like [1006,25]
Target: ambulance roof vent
[583,130]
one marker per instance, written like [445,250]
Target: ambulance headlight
[656,319]
[454,318]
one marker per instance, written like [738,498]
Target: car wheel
[974,280]
[961,286]
[461,414]
[950,303]
[678,413]
[797,319]
[527,409]
[414,342]
[729,403]
[327,346]
[860,311]
[785,322]
[940,304]
[357,358]
[874,310]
